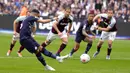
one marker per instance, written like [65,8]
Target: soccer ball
[84,58]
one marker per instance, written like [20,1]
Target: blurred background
[10,9]
[79,7]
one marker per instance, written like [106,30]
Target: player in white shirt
[108,29]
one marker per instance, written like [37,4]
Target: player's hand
[15,33]
[93,37]
[60,34]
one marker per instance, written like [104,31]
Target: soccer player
[30,44]
[108,29]
[82,34]
[58,28]
[16,26]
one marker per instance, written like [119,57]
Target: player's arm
[70,25]
[58,19]
[85,34]
[33,31]
[92,33]
[15,23]
[55,27]
[69,29]
[15,26]
[112,23]
[93,26]
[34,28]
[99,16]
[44,20]
[84,31]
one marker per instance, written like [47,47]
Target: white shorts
[15,37]
[51,36]
[108,35]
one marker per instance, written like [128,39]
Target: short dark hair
[35,11]
[110,9]
[65,6]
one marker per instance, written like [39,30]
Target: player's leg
[76,47]
[12,44]
[49,39]
[109,49]
[20,50]
[48,53]
[111,38]
[89,45]
[41,59]
[34,48]
[78,40]
[64,39]
[99,45]
[104,36]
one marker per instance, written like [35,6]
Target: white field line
[69,58]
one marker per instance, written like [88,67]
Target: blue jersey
[84,26]
[26,26]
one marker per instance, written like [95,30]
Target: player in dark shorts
[108,29]
[58,28]
[82,34]
[30,44]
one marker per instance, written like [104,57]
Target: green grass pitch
[119,63]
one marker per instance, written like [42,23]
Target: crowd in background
[80,8]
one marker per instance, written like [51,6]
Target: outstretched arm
[44,20]
[112,23]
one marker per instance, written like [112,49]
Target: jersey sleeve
[112,23]
[71,19]
[93,26]
[34,19]
[60,17]
[21,18]
[84,25]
